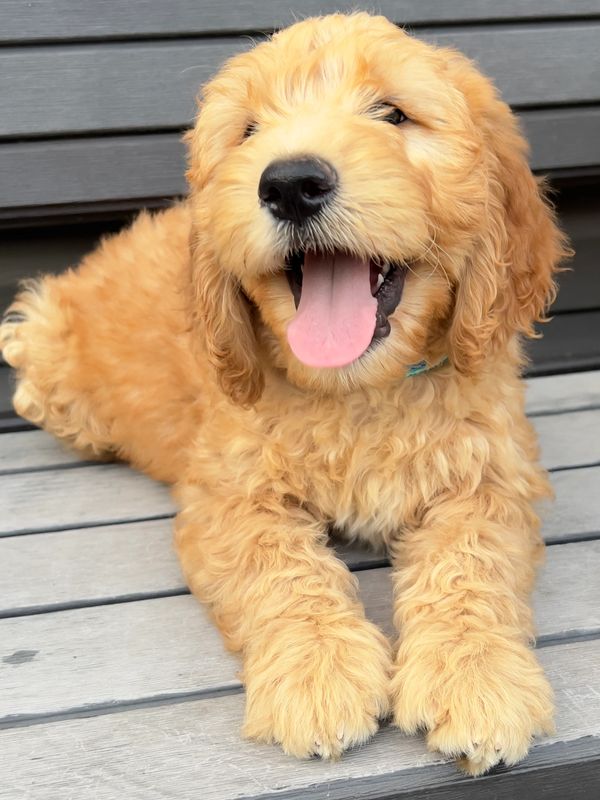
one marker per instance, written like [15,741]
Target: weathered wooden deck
[113,683]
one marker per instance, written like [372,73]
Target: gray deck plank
[89,565]
[135,86]
[568,440]
[94,495]
[569,392]
[562,138]
[28,450]
[167,647]
[111,168]
[24,22]
[576,510]
[119,168]
[193,748]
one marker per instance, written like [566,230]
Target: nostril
[271,195]
[312,188]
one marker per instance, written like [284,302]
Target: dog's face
[361,202]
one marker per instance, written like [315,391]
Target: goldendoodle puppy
[327,334]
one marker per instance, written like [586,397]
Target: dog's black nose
[297,188]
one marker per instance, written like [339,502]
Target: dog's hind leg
[102,352]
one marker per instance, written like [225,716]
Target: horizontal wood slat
[569,342]
[137,86]
[61,20]
[33,450]
[97,495]
[563,138]
[576,510]
[570,392]
[172,750]
[118,653]
[566,439]
[118,168]
[88,565]
[104,87]
[91,171]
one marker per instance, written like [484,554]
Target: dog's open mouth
[343,305]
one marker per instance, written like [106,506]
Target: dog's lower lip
[388,292]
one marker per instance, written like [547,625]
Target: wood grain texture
[27,450]
[106,87]
[576,510]
[183,749]
[94,495]
[92,170]
[88,565]
[562,138]
[572,391]
[142,85]
[61,20]
[101,656]
[570,439]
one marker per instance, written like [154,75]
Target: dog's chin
[343,305]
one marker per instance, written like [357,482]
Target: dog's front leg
[316,671]
[464,670]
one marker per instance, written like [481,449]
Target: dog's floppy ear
[509,279]
[222,316]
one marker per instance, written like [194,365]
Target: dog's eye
[249,130]
[395,116]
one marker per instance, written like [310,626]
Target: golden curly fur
[175,358]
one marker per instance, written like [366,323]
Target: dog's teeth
[379,281]
[385,268]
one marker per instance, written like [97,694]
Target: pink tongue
[335,320]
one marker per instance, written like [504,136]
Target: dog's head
[361,202]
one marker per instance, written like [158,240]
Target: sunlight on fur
[169,347]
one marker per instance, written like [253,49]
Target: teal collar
[423,366]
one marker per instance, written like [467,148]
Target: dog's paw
[480,708]
[12,346]
[27,344]
[317,689]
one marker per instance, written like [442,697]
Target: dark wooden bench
[112,681]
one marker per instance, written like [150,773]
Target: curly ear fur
[224,317]
[509,281]
[220,312]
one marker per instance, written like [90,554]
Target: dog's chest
[355,464]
